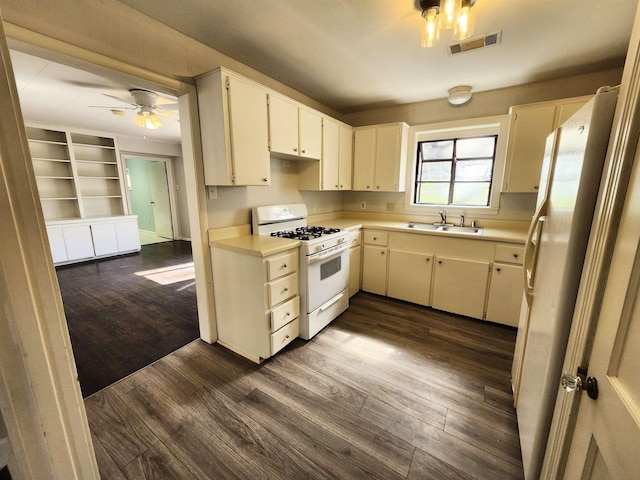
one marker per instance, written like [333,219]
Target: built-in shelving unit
[82,194]
[78,175]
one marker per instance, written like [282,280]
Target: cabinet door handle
[428,259]
[265,179]
[515,255]
[439,262]
[295,149]
[286,289]
[284,265]
[498,270]
[382,253]
[304,151]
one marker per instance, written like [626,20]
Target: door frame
[621,153]
[40,397]
[171,185]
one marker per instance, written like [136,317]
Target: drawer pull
[428,259]
[286,289]
[287,337]
[284,265]
[515,255]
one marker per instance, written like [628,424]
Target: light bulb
[449,11]
[430,30]
[147,120]
[465,23]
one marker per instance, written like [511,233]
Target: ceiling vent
[487,40]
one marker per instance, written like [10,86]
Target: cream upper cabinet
[333,172]
[364,150]
[234,129]
[528,130]
[294,130]
[345,153]
[379,154]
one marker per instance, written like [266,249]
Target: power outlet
[391,206]
[212,192]
[363,205]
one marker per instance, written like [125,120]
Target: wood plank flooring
[119,320]
[389,390]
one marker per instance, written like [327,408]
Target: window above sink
[437,173]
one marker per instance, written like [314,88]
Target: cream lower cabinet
[374,262]
[257,301]
[471,277]
[505,292]
[355,261]
[460,286]
[409,276]
[80,240]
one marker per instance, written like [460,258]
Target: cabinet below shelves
[80,240]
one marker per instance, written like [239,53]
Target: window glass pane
[437,150]
[436,172]
[434,193]
[475,147]
[478,170]
[471,193]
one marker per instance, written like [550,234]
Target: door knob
[579,382]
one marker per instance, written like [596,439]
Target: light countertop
[516,233]
[258,245]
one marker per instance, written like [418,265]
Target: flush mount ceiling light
[446,14]
[459,96]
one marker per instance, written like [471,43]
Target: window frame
[492,125]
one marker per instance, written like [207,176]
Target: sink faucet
[462,220]
[443,216]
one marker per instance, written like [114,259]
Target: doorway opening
[149,196]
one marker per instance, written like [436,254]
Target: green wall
[140,194]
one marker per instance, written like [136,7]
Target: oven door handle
[325,306]
[335,253]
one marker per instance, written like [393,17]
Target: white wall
[233,205]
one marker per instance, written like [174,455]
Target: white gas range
[324,262]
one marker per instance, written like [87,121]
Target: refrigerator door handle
[531,250]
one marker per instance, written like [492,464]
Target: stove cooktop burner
[305,233]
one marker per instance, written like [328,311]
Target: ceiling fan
[146,104]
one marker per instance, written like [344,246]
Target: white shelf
[78,175]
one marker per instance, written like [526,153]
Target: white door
[607,436]
[159,187]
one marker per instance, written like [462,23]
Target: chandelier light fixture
[445,15]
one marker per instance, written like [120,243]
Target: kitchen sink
[447,227]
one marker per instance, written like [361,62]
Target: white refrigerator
[554,256]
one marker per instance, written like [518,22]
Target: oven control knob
[318,248]
[340,240]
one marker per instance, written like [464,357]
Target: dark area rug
[126,312]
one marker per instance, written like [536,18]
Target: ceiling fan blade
[163,113]
[128,102]
[113,108]
[173,107]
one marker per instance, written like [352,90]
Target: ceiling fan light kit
[459,96]
[445,15]
[145,118]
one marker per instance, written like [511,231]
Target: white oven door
[326,279]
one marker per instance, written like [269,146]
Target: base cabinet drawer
[282,289]
[284,336]
[283,314]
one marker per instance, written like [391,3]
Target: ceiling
[350,55]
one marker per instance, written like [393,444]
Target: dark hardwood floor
[389,390]
[119,320]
